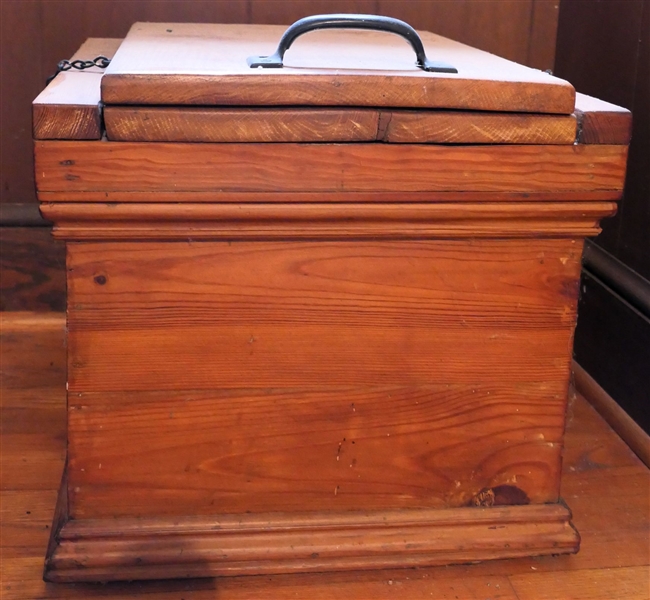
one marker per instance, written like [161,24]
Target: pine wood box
[320,317]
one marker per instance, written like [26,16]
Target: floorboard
[604,483]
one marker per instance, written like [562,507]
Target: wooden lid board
[206,65]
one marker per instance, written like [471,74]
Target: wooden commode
[320,315]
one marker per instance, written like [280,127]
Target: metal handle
[344,21]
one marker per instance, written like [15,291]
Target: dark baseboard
[13,214]
[612,344]
[628,284]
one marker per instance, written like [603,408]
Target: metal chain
[66,65]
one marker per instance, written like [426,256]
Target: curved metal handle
[344,21]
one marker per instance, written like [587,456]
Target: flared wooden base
[129,549]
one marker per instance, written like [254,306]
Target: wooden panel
[188,124]
[68,108]
[224,335]
[331,168]
[600,122]
[173,124]
[26,519]
[25,453]
[501,27]
[306,290]
[328,448]
[92,369]
[33,270]
[630,583]
[201,64]
[41,338]
[444,127]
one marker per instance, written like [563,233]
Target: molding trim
[629,431]
[81,221]
[626,282]
[375,197]
[191,546]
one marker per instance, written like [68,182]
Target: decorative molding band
[619,277]
[78,221]
[376,197]
[629,431]
[125,549]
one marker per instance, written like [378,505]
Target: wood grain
[177,63]
[224,335]
[446,127]
[189,124]
[33,270]
[327,168]
[331,449]
[334,289]
[41,337]
[80,221]
[630,583]
[600,475]
[26,520]
[600,122]
[69,107]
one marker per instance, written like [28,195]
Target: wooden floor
[604,484]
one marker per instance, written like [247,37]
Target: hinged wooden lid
[206,65]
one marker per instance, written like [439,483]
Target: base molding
[175,547]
